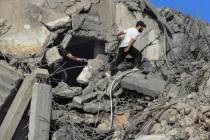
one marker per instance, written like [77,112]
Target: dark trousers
[137,56]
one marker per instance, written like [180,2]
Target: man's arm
[72,57]
[130,44]
[119,33]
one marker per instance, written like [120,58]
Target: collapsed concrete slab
[16,109]
[9,81]
[149,86]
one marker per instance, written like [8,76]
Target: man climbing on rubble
[126,46]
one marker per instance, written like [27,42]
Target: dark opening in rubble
[81,47]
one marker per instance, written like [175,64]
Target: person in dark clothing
[126,46]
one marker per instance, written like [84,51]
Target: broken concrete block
[102,84]
[91,107]
[9,81]
[82,6]
[155,137]
[41,73]
[17,109]
[77,100]
[59,23]
[73,106]
[86,98]
[84,76]
[39,122]
[66,40]
[52,55]
[94,66]
[64,91]
[148,86]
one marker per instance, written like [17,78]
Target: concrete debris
[64,91]
[148,86]
[90,71]
[17,109]
[41,98]
[10,80]
[86,98]
[52,55]
[41,73]
[166,98]
[59,23]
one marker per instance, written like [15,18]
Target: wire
[110,93]
[65,70]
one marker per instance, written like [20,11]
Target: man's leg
[120,57]
[136,55]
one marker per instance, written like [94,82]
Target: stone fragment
[83,6]
[53,55]
[59,23]
[86,98]
[64,91]
[102,84]
[91,107]
[151,86]
[41,73]
[77,21]
[91,70]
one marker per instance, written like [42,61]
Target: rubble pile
[170,101]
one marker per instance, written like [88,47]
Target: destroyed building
[44,96]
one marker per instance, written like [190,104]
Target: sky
[196,8]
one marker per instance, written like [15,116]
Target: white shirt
[130,33]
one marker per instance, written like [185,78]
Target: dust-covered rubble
[166,98]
